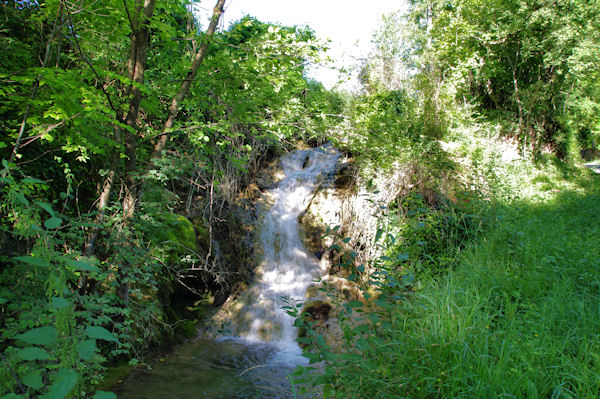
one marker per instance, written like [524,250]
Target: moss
[180,230]
[158,194]
[202,234]
[187,329]
[115,375]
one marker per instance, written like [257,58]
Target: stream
[258,353]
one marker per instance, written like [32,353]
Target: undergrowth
[496,297]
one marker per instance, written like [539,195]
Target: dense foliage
[532,65]
[127,134]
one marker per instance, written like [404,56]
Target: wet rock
[220,297]
[305,162]
[317,310]
[345,177]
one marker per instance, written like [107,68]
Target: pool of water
[226,368]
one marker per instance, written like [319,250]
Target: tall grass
[518,317]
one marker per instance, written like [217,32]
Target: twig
[252,368]
[72,28]
[12,372]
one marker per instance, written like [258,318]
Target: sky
[349,24]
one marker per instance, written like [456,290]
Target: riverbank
[515,315]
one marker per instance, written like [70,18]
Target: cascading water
[287,270]
[255,360]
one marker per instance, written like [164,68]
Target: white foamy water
[287,269]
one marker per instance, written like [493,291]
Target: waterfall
[287,269]
[258,351]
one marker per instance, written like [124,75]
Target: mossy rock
[115,375]
[202,234]
[317,310]
[159,194]
[187,329]
[180,231]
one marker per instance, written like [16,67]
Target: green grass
[519,317]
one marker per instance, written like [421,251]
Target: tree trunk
[133,62]
[187,82]
[137,61]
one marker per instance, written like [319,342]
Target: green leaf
[47,207]
[34,261]
[59,302]
[349,357]
[361,329]
[33,380]
[39,336]
[320,340]
[12,396]
[408,279]
[100,333]
[82,265]
[402,257]
[312,357]
[355,304]
[32,353]
[53,223]
[31,180]
[104,395]
[87,349]
[378,234]
[3,300]
[383,304]
[22,199]
[63,385]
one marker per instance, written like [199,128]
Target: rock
[179,231]
[220,297]
[589,154]
[202,233]
[317,310]
[345,177]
